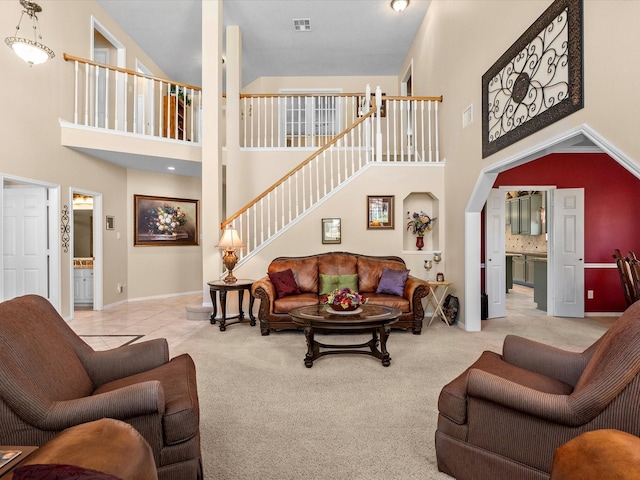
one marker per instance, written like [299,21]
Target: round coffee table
[368,318]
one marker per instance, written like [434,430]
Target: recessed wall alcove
[429,204]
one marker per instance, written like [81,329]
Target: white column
[211,210]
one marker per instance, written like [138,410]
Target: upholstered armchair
[50,380]
[505,416]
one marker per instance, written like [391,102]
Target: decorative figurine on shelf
[419,224]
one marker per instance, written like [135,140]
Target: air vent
[302,24]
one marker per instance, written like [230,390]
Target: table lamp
[229,243]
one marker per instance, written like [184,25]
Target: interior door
[25,242]
[567,252]
[495,254]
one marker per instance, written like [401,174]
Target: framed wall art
[165,221]
[110,222]
[537,81]
[379,212]
[331,230]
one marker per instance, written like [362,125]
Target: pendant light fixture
[30,50]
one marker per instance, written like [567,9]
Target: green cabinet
[524,214]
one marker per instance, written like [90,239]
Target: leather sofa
[310,272]
[105,448]
[50,380]
[506,414]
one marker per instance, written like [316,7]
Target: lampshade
[31,51]
[399,5]
[230,239]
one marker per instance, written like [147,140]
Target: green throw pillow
[328,283]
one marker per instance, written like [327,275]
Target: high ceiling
[347,37]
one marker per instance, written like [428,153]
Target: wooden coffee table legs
[313,346]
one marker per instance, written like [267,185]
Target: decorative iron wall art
[65,228]
[537,81]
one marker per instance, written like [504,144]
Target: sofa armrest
[266,292]
[144,398]
[415,289]
[545,359]
[107,365]
[547,406]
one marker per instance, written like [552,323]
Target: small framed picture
[111,222]
[331,230]
[379,212]
[440,277]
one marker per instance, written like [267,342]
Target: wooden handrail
[316,94]
[315,154]
[71,58]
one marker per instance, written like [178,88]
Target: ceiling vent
[302,24]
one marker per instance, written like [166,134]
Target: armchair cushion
[328,283]
[392,281]
[284,282]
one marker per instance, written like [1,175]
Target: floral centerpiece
[419,224]
[166,220]
[344,299]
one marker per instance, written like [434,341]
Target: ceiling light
[171,168]
[31,51]
[399,5]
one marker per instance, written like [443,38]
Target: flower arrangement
[345,299]
[419,223]
[166,220]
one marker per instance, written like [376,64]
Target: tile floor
[167,318]
[129,322]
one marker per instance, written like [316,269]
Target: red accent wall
[612,213]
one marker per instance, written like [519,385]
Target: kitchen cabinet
[540,285]
[523,268]
[83,286]
[524,214]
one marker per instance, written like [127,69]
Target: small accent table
[13,463]
[368,318]
[436,299]
[239,286]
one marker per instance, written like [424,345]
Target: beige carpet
[265,416]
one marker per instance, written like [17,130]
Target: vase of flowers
[344,300]
[419,223]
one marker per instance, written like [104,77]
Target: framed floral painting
[165,221]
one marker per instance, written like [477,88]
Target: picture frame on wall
[331,231]
[537,81]
[165,221]
[380,212]
[110,222]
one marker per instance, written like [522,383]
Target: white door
[25,242]
[495,254]
[568,252]
[101,55]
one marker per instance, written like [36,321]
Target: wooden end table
[223,288]
[15,462]
[368,318]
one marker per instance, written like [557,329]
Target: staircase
[404,129]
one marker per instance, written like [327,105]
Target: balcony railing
[123,100]
[408,125]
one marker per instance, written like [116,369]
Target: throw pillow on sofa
[328,283]
[392,281]
[284,282]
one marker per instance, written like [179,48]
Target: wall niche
[420,202]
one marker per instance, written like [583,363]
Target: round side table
[239,286]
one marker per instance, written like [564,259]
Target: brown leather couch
[273,312]
[505,416]
[107,446]
[50,380]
